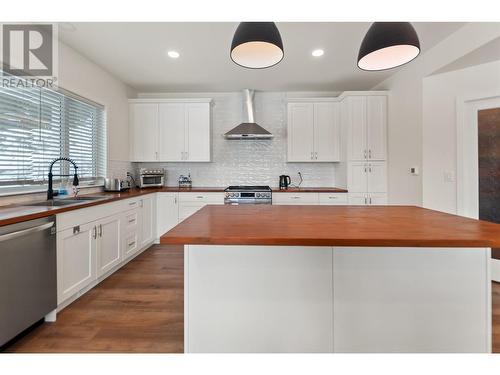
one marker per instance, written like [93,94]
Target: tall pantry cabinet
[365,117]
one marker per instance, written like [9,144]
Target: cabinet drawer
[131,219]
[130,244]
[295,198]
[208,198]
[332,198]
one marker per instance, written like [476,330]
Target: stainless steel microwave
[151,177]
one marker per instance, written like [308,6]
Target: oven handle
[13,235]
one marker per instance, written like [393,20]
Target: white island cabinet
[340,279]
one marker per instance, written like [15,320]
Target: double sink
[68,201]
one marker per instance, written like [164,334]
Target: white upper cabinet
[367,124]
[327,131]
[376,126]
[143,119]
[313,132]
[176,130]
[197,128]
[300,131]
[171,131]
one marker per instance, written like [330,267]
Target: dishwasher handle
[13,235]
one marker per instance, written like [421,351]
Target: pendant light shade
[257,45]
[387,45]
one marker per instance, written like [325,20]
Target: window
[38,125]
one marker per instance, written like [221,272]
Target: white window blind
[38,125]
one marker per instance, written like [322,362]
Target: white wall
[406,106]
[440,93]
[250,162]
[83,77]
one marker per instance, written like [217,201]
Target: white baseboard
[495,270]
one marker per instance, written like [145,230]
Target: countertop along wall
[249,162]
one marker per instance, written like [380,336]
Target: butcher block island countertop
[390,226]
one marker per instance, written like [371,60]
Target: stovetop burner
[248,188]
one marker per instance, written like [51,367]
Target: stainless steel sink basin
[68,201]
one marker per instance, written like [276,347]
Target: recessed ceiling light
[318,52]
[173,54]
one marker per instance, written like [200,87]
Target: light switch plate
[414,171]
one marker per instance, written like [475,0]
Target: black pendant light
[387,45]
[257,45]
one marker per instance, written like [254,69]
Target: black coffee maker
[285,181]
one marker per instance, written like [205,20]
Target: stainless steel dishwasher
[28,274]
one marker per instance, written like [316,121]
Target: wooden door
[489,167]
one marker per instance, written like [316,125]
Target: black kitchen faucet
[50,192]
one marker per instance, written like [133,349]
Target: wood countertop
[16,213]
[395,226]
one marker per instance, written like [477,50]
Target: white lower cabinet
[333,199]
[295,198]
[367,199]
[76,259]
[189,203]
[167,212]
[146,220]
[94,241]
[108,243]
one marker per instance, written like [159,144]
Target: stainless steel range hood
[249,129]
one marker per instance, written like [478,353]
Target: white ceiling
[136,53]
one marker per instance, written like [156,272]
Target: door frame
[467,155]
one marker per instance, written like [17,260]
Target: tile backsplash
[247,162]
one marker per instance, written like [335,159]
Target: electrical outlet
[414,171]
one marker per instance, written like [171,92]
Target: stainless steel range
[248,195]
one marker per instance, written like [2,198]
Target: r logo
[27,49]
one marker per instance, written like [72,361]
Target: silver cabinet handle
[11,236]
[365,168]
[100,230]
[131,244]
[369,154]
[175,200]
[94,234]
[365,154]
[131,220]
[76,229]
[316,155]
[132,203]
[370,168]
[332,197]
[294,197]
[199,197]
[365,200]
[187,155]
[370,200]
[312,155]
[156,155]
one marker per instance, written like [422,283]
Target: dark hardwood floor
[137,309]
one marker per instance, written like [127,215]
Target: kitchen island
[335,279]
